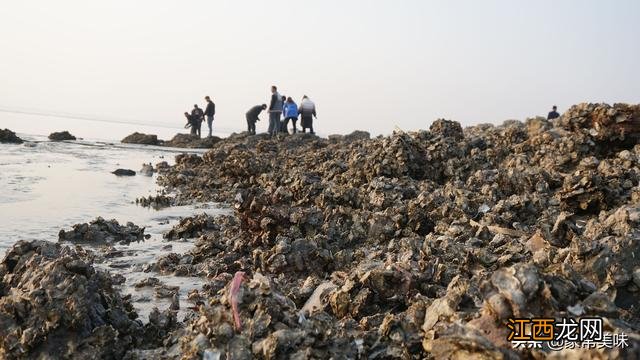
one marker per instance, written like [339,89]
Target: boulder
[143,139]
[124,172]
[101,232]
[8,136]
[192,141]
[61,136]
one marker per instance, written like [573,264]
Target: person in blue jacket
[290,113]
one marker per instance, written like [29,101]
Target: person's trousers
[210,123]
[286,124]
[198,127]
[251,126]
[307,122]
[274,122]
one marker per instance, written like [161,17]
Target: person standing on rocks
[197,115]
[290,113]
[275,110]
[553,114]
[209,111]
[282,128]
[308,112]
[252,117]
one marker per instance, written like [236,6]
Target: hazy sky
[368,64]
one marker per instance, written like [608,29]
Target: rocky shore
[414,245]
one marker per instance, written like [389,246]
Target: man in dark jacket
[197,115]
[275,110]
[252,117]
[209,111]
[553,114]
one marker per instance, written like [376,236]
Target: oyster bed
[415,245]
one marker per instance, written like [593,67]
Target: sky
[372,65]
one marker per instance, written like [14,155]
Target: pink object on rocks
[233,298]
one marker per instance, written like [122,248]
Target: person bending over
[252,117]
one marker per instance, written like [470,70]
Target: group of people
[197,117]
[281,110]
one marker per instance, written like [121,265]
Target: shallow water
[48,186]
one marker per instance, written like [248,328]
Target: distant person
[197,116]
[282,128]
[252,117]
[290,113]
[553,114]
[307,112]
[189,123]
[209,111]
[275,110]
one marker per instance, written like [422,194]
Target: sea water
[47,186]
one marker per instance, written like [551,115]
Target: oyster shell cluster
[414,245]
[423,243]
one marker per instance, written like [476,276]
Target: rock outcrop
[415,245]
[9,137]
[54,304]
[142,139]
[102,232]
[124,172]
[191,141]
[61,136]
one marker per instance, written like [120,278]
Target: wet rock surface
[124,172]
[190,141]
[61,136]
[53,303]
[147,170]
[142,139]
[415,245]
[192,227]
[103,232]
[9,137]
[178,141]
[157,202]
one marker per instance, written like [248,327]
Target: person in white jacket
[307,112]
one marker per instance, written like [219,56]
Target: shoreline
[414,244]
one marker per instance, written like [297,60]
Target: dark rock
[191,141]
[124,172]
[143,139]
[61,136]
[100,231]
[191,227]
[8,136]
[447,128]
[156,202]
